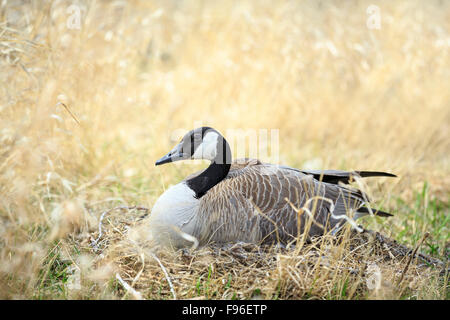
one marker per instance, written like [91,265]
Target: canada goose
[249,201]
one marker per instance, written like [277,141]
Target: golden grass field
[134,74]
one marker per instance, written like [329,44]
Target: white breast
[174,210]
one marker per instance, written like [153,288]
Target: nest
[351,266]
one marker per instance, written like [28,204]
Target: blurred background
[350,85]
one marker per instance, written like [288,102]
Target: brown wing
[250,205]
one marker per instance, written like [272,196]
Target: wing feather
[250,204]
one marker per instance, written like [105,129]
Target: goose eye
[197,137]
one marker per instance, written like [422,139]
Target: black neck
[216,172]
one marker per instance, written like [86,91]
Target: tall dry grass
[342,95]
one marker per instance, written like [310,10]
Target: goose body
[250,201]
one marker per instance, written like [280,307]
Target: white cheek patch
[208,148]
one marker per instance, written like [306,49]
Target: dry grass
[343,97]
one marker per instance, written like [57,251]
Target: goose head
[202,143]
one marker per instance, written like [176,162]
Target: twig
[129,289]
[413,254]
[70,112]
[187,237]
[167,275]
[140,272]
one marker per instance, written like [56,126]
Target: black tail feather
[375,212]
[364,174]
[336,176]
